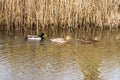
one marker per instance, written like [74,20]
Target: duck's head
[68,37]
[96,38]
[117,37]
[42,35]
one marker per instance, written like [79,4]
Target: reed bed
[59,16]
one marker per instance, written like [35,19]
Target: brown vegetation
[57,16]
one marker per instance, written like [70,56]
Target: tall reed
[56,16]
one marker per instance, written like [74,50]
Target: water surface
[34,60]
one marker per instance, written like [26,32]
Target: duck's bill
[45,35]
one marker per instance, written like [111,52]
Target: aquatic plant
[58,16]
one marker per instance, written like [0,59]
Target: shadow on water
[35,60]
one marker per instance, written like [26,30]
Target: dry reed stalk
[53,17]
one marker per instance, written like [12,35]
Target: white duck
[61,40]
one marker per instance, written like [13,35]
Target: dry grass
[57,16]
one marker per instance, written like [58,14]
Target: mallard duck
[35,37]
[89,41]
[61,40]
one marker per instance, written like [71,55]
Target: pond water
[34,60]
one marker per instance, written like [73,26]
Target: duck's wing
[57,40]
[34,38]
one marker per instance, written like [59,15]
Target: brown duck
[88,41]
